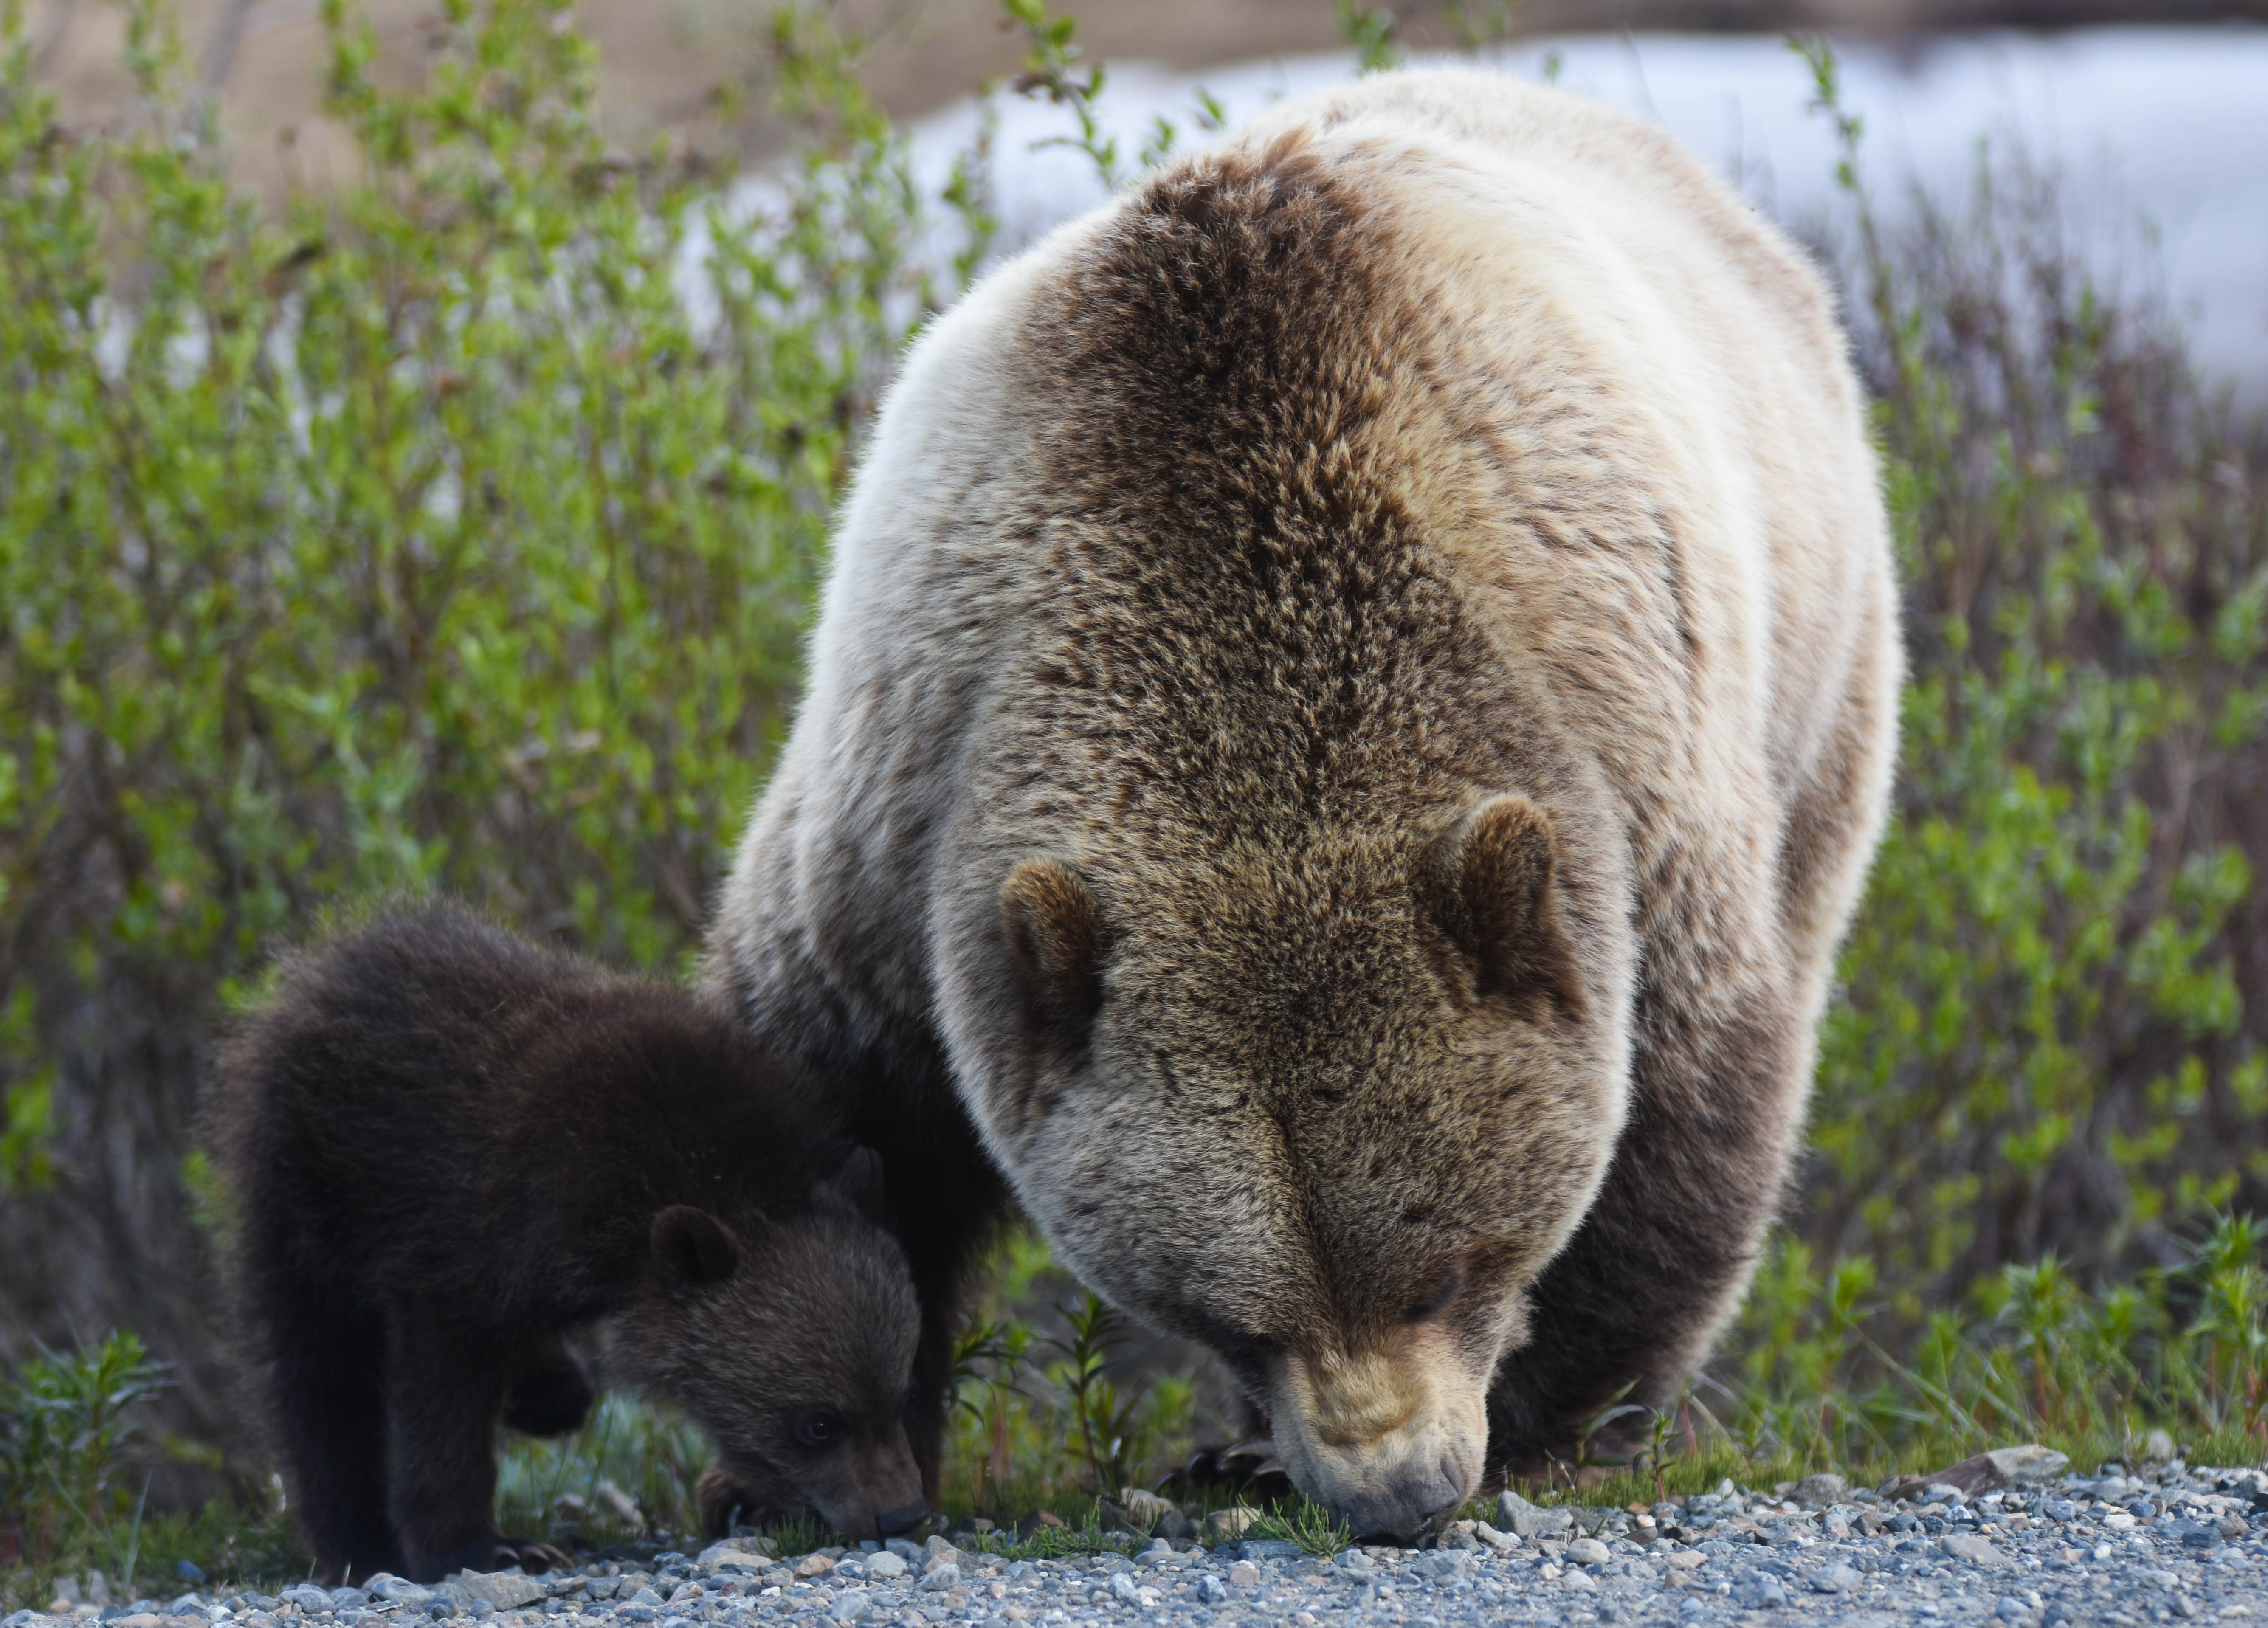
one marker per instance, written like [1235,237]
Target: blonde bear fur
[1355,695]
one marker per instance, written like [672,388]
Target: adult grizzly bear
[1356,692]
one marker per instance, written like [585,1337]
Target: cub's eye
[1434,1304]
[818,1428]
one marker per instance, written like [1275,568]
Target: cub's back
[432,1097]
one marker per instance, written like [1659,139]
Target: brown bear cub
[451,1150]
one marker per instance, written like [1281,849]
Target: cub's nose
[897,1522]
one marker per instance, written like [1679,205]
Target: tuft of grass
[1304,1522]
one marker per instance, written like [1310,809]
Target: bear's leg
[550,1395]
[447,1395]
[1636,1299]
[328,1387]
[948,1203]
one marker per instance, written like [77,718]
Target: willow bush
[2055,1000]
[455,534]
[2038,1132]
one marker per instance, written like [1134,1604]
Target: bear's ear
[1055,944]
[692,1248]
[1487,884]
[856,1186]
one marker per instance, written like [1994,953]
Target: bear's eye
[1434,1304]
[819,1428]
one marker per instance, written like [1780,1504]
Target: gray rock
[1225,1525]
[1515,1514]
[936,1548]
[1503,1543]
[886,1564]
[1244,1574]
[1835,1578]
[1272,1549]
[1211,1590]
[643,1596]
[398,1590]
[1975,1550]
[1356,1563]
[1148,1509]
[2028,1465]
[942,1574]
[1760,1591]
[2198,1533]
[1817,1491]
[1588,1551]
[307,1597]
[508,1591]
[2059,1510]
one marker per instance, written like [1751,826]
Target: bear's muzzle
[1388,1441]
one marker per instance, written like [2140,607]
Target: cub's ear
[1487,883]
[692,1248]
[1055,943]
[856,1186]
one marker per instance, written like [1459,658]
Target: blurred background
[419,432]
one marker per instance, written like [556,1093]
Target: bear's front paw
[487,1554]
[530,1556]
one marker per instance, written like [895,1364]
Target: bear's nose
[903,1518]
[1401,1509]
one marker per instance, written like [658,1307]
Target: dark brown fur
[449,1149]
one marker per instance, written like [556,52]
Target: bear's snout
[1404,1508]
[1387,1440]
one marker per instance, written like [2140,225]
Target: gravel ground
[2169,1543]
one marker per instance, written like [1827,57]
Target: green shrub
[66,1423]
[427,541]
[2048,1035]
